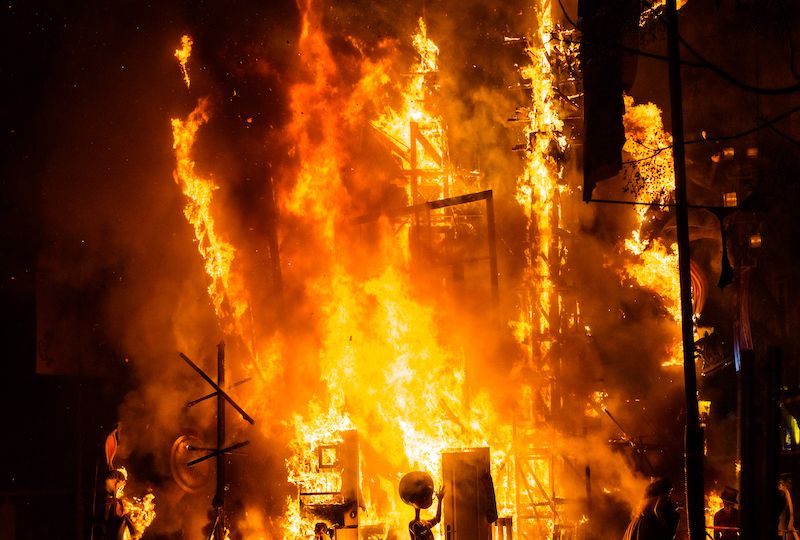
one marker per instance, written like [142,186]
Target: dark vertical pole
[747,439]
[412,151]
[694,434]
[95,519]
[772,445]
[413,185]
[219,496]
[79,488]
[588,472]
[274,250]
[492,234]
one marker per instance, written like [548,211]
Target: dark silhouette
[416,489]
[657,518]
[727,516]
[321,531]
[116,522]
[117,525]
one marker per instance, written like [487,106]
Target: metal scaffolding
[552,314]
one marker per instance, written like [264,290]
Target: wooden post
[219,496]
[694,435]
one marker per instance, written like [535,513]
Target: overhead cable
[764,124]
[737,83]
[703,62]
[615,45]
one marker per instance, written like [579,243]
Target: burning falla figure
[416,489]
[123,518]
[117,523]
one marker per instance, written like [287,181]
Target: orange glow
[396,123]
[418,133]
[140,511]
[226,285]
[538,192]
[315,131]
[597,404]
[675,357]
[645,137]
[656,9]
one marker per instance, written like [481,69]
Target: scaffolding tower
[549,304]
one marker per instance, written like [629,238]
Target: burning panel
[337,504]
[469,502]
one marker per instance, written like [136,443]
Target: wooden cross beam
[216,387]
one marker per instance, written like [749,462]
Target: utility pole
[694,434]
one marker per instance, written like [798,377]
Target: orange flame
[315,131]
[226,289]
[182,55]
[141,512]
[656,265]
[538,192]
[413,120]
[713,505]
[384,371]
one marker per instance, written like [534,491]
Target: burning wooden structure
[404,292]
[440,227]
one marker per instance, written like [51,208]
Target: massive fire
[391,391]
[538,324]
[386,371]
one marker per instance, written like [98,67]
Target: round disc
[185,449]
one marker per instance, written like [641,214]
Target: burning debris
[183,55]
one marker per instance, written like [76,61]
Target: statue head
[416,489]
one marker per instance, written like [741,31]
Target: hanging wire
[789,39]
[703,62]
[737,83]
[767,123]
[615,45]
[785,135]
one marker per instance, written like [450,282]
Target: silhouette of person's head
[658,488]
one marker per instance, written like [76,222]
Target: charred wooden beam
[213,394]
[216,387]
[428,205]
[219,496]
[216,453]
